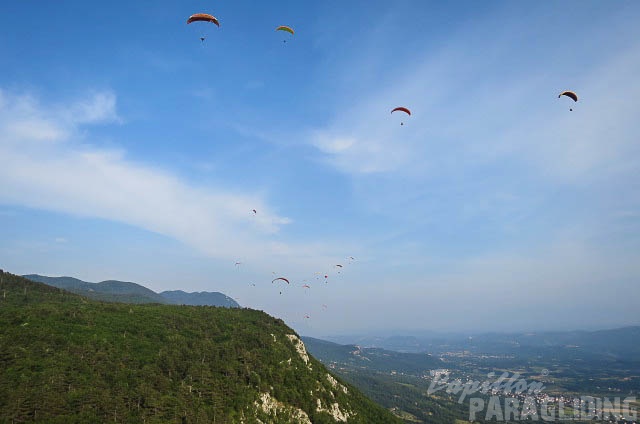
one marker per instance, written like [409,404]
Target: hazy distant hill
[126,292]
[621,343]
[178,297]
[110,291]
[373,359]
[65,359]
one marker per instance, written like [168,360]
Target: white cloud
[99,108]
[47,166]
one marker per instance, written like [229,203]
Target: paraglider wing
[285,28]
[306,286]
[203,17]
[402,109]
[280,278]
[339,265]
[569,94]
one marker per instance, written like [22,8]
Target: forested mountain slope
[65,359]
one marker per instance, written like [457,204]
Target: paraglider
[280,278]
[307,316]
[339,266]
[203,17]
[285,29]
[402,109]
[254,211]
[306,286]
[571,95]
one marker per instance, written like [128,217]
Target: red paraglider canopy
[402,109]
[280,278]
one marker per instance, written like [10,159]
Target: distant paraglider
[280,279]
[285,29]
[571,95]
[402,109]
[203,17]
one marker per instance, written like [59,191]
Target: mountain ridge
[203,298]
[130,292]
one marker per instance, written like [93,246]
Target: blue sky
[130,150]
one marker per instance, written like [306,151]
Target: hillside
[68,359]
[393,379]
[373,359]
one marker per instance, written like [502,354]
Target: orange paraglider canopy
[203,17]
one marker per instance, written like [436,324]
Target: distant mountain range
[127,292]
[619,344]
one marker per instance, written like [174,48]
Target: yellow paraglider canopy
[285,28]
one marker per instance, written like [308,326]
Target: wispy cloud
[511,116]
[47,164]
[489,143]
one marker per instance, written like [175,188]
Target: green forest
[69,359]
